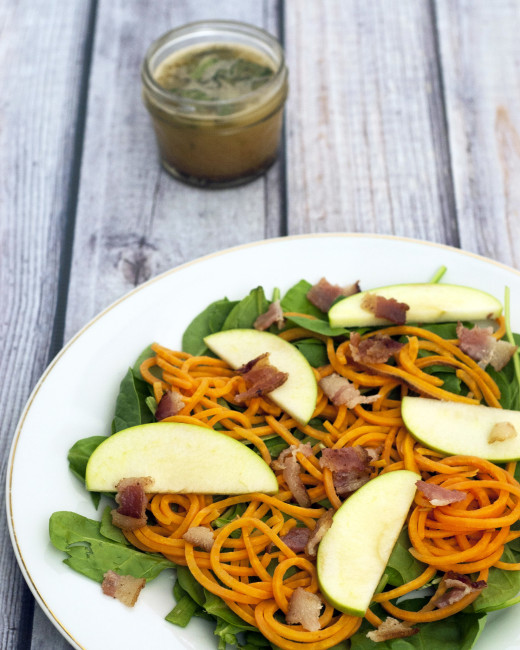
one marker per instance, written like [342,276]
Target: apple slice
[180,458]
[429,303]
[297,395]
[354,552]
[455,428]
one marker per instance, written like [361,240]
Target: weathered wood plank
[133,219]
[41,52]
[366,137]
[480,54]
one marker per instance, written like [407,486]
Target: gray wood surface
[480,57]
[41,56]
[367,149]
[403,118]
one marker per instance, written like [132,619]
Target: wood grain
[41,50]
[480,54]
[366,144]
[133,219]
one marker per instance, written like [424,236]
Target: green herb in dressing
[220,72]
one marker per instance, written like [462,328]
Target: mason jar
[215,91]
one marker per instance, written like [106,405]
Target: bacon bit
[200,536]
[322,526]
[297,539]
[341,391]
[273,315]
[387,308]
[391,628]
[457,586]
[304,608]
[261,378]
[347,482]
[132,501]
[323,294]
[345,459]
[480,344]
[373,350]
[440,496]
[350,467]
[124,588]
[288,462]
[169,404]
[502,431]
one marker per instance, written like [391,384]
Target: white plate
[75,398]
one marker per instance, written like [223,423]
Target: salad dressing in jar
[215,91]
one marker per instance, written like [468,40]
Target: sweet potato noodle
[467,537]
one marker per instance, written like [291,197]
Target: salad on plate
[328,468]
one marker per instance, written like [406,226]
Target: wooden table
[403,118]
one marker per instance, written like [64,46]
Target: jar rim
[219,25]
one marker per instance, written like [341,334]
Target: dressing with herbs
[216,101]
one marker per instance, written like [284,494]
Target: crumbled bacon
[440,496]
[387,308]
[323,294]
[322,526]
[200,536]
[304,608]
[261,378]
[502,431]
[124,588]
[391,628]
[132,500]
[288,462]
[297,539]
[458,586]
[273,315]
[345,459]
[480,344]
[373,350]
[169,404]
[350,467]
[347,482]
[341,391]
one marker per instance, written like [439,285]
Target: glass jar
[220,122]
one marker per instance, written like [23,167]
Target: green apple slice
[354,552]
[297,395]
[455,428]
[429,303]
[180,458]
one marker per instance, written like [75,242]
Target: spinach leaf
[316,325]
[296,300]
[183,611]
[207,322]
[458,632]
[190,585]
[444,330]
[402,566]
[218,608]
[131,407]
[275,445]
[508,388]
[92,554]
[229,515]
[108,530]
[502,586]
[314,350]
[78,457]
[245,312]
[145,354]
[79,454]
